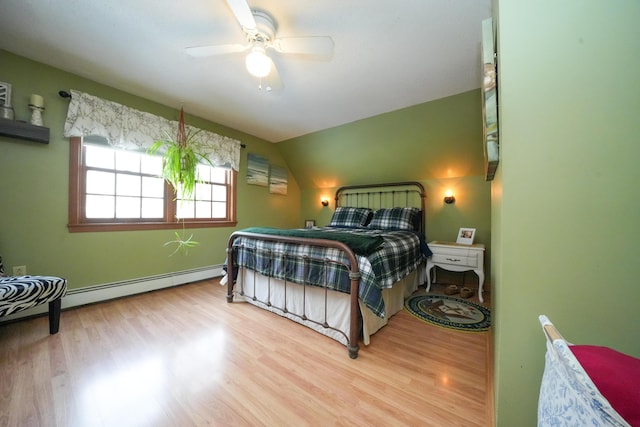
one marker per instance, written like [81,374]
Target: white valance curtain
[129,128]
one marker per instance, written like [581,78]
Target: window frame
[78,222]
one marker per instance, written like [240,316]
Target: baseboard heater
[108,291]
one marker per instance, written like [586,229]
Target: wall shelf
[23,130]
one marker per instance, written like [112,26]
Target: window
[112,189]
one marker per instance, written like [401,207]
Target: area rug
[449,312]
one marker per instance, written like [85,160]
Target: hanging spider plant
[180,159]
[183,244]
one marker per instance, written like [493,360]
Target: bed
[344,280]
[587,385]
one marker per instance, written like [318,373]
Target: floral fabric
[129,128]
[568,397]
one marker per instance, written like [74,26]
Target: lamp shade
[258,63]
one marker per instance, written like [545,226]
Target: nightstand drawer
[453,259]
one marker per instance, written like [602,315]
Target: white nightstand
[457,257]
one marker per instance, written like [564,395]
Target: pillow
[396,219]
[616,375]
[350,217]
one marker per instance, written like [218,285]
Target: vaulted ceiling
[387,55]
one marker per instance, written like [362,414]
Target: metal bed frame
[371,196]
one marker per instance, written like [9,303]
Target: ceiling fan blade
[320,46]
[242,11]
[272,82]
[216,49]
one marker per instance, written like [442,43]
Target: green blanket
[361,244]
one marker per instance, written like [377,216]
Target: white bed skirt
[310,301]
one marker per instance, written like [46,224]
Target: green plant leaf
[183,245]
[180,159]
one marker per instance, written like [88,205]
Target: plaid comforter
[399,255]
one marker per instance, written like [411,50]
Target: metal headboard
[385,195]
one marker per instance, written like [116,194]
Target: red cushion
[617,377]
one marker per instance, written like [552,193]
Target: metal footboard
[372,196]
[354,277]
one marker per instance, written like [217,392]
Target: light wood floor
[184,356]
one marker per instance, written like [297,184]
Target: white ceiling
[388,55]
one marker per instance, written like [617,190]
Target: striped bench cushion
[19,293]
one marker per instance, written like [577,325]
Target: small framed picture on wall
[466,236]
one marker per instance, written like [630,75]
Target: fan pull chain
[268,88]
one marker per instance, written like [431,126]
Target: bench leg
[54,315]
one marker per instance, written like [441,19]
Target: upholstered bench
[19,293]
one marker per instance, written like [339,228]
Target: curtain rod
[65,94]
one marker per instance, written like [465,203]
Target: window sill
[137,226]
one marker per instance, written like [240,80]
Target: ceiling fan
[260,30]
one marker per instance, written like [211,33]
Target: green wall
[438,143]
[565,200]
[34,191]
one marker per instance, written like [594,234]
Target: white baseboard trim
[108,291]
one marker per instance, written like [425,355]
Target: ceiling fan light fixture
[258,63]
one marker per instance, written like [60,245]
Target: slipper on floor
[466,292]
[451,289]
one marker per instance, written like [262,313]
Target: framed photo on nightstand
[309,223]
[466,236]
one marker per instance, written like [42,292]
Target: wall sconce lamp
[449,198]
[324,201]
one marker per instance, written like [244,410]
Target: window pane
[127,161]
[127,207]
[179,194]
[219,193]
[152,187]
[151,165]
[204,173]
[203,209]
[100,207]
[99,157]
[185,209]
[152,208]
[219,210]
[127,185]
[203,192]
[219,175]
[100,182]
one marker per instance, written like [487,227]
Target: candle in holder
[36,101]
[36,105]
